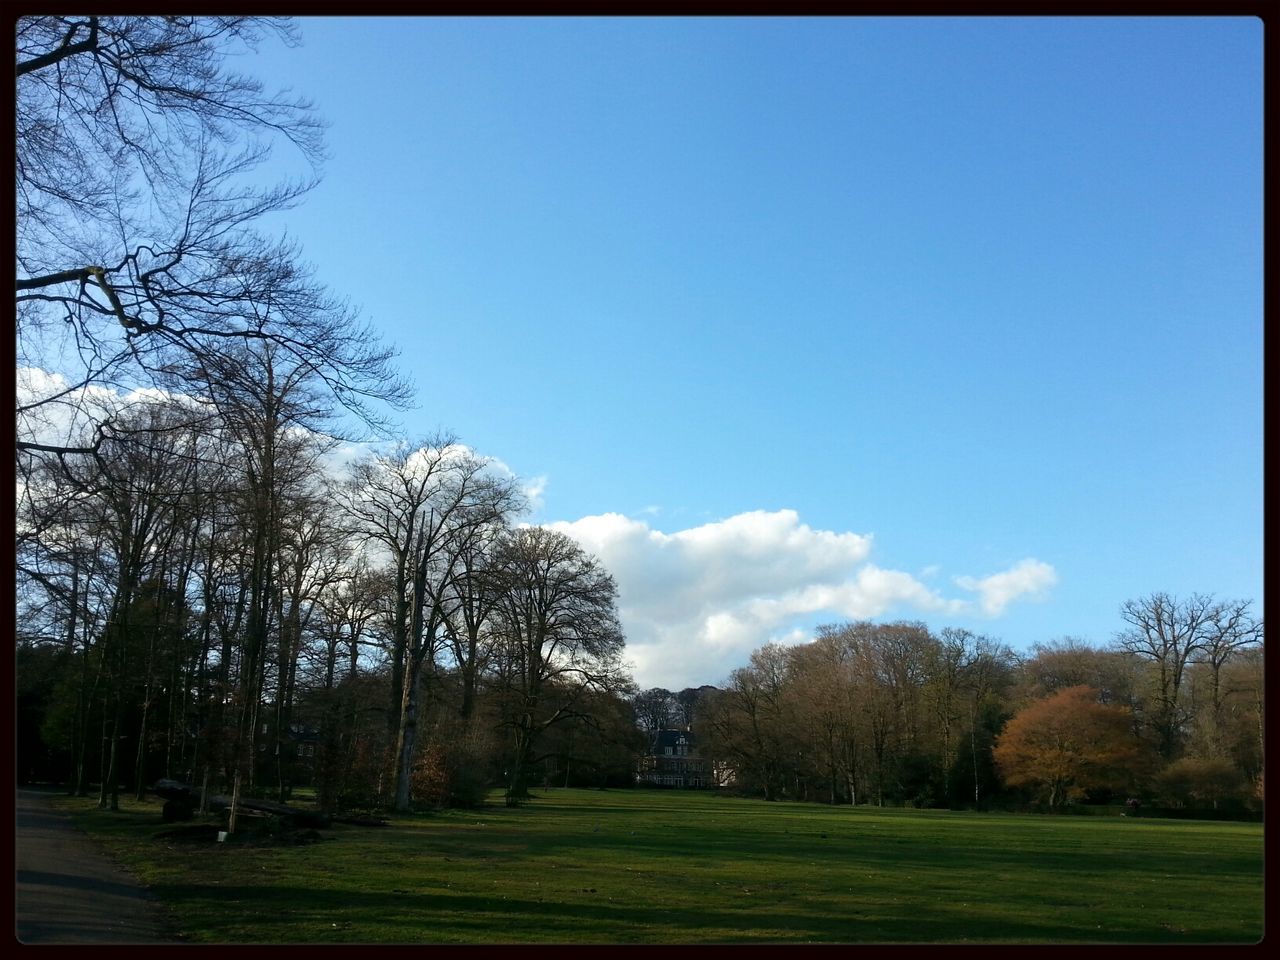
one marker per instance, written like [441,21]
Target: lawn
[584,866]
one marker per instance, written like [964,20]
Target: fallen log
[361,821]
[182,797]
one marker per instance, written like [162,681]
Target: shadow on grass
[441,918]
[64,881]
[1030,879]
[1140,855]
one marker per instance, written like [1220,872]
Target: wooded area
[1170,713]
[203,595]
[198,595]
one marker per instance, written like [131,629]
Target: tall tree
[986,675]
[1168,633]
[424,505]
[559,626]
[138,252]
[142,263]
[1231,630]
[820,676]
[655,710]
[135,505]
[749,723]
[312,555]
[270,408]
[476,592]
[350,604]
[63,581]
[687,701]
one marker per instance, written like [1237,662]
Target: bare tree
[312,555]
[424,505]
[986,673]
[266,402]
[350,605]
[132,513]
[655,709]
[749,722]
[558,621]
[138,256]
[821,685]
[1168,632]
[476,593]
[1231,630]
[687,701]
[64,578]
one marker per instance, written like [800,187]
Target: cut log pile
[183,799]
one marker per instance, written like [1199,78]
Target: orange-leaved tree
[1066,744]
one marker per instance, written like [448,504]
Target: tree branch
[68,49]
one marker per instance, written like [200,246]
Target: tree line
[213,602]
[1171,711]
[201,596]
[198,596]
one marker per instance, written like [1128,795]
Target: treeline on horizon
[1169,714]
[116,693]
[212,605]
[201,596]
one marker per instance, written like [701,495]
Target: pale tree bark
[423,504]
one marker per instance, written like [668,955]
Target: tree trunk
[973,747]
[405,741]
[84,700]
[518,786]
[468,695]
[111,778]
[204,792]
[103,753]
[235,802]
[140,787]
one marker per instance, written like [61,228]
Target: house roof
[671,738]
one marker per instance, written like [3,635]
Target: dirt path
[68,891]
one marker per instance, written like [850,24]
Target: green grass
[581,866]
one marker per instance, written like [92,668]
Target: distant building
[299,749]
[673,760]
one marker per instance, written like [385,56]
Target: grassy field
[581,866]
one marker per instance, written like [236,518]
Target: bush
[471,768]
[455,770]
[362,786]
[429,779]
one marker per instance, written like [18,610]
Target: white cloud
[533,488]
[694,603]
[63,413]
[52,410]
[1029,578]
[338,460]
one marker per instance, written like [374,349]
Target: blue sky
[987,291]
